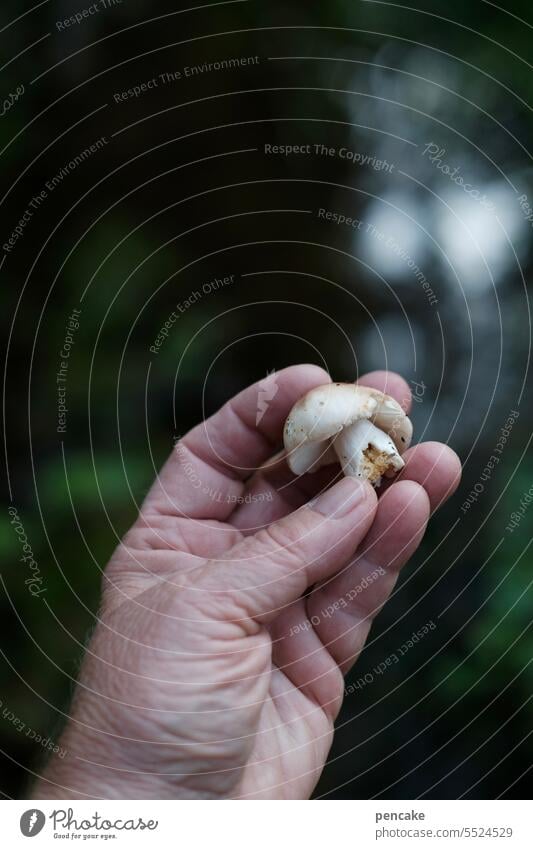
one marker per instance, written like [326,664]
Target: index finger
[391,384]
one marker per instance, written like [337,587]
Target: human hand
[212,672]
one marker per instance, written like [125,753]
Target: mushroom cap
[326,410]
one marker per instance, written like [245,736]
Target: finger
[435,467]
[275,491]
[203,477]
[391,384]
[344,608]
[261,575]
[431,464]
[327,630]
[400,523]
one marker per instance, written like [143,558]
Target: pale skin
[212,671]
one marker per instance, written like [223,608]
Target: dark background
[185,193]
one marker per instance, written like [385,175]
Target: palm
[275,736]
[207,700]
[287,759]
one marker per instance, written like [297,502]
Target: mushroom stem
[365,451]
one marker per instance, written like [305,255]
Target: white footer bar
[267,825]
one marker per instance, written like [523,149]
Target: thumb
[266,572]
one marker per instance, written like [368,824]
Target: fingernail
[341,499]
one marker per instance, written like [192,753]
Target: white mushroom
[363,429]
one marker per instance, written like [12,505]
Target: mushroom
[363,429]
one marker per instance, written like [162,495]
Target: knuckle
[290,540]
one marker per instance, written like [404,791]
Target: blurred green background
[183,192]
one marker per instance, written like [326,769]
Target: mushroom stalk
[365,451]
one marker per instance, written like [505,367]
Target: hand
[213,671]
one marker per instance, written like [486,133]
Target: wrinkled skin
[205,677]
